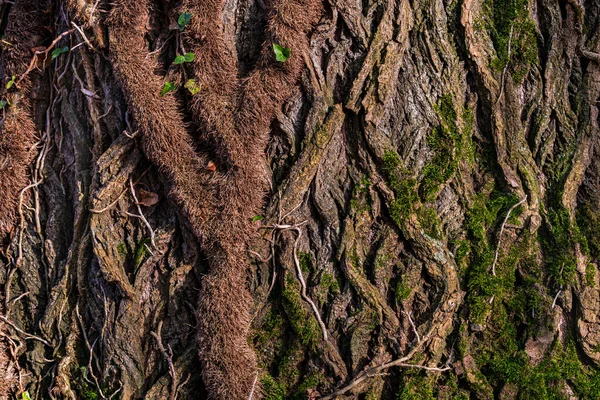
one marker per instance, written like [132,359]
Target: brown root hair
[235,117]
[24,30]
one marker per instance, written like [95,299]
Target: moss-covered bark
[433,203]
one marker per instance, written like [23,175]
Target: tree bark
[300,199]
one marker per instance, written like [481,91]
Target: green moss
[430,222]
[271,328]
[288,373]
[303,323]
[462,248]
[272,390]
[590,274]
[310,382]
[306,262]
[329,283]
[403,291]
[513,34]
[403,186]
[416,386]
[141,251]
[483,218]
[544,380]
[372,395]
[81,385]
[361,200]
[449,144]
[558,243]
[122,250]
[588,219]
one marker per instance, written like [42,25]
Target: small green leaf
[189,57]
[25,396]
[3,104]
[168,87]
[257,218]
[10,83]
[281,53]
[58,51]
[184,19]
[192,86]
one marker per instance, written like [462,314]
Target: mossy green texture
[406,199]
[306,262]
[403,291]
[513,33]
[303,323]
[272,389]
[122,250]
[544,381]
[430,221]
[141,251]
[483,219]
[271,328]
[450,144]
[329,283]
[280,389]
[403,186]
[82,387]
[559,238]
[418,385]
[590,275]
[361,198]
[588,219]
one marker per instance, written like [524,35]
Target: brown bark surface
[406,207]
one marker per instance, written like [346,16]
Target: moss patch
[513,34]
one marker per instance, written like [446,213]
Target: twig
[590,55]
[556,298]
[20,297]
[85,39]
[111,205]
[414,328]
[169,357]
[90,349]
[502,230]
[253,386]
[400,362]
[33,62]
[141,214]
[259,257]
[303,284]
[108,207]
[376,371]
[512,26]
[25,334]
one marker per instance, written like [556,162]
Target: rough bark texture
[408,207]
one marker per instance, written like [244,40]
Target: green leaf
[257,218]
[192,86]
[25,396]
[58,51]
[168,87]
[184,19]
[187,57]
[281,53]
[3,104]
[10,83]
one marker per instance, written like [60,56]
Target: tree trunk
[296,199]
